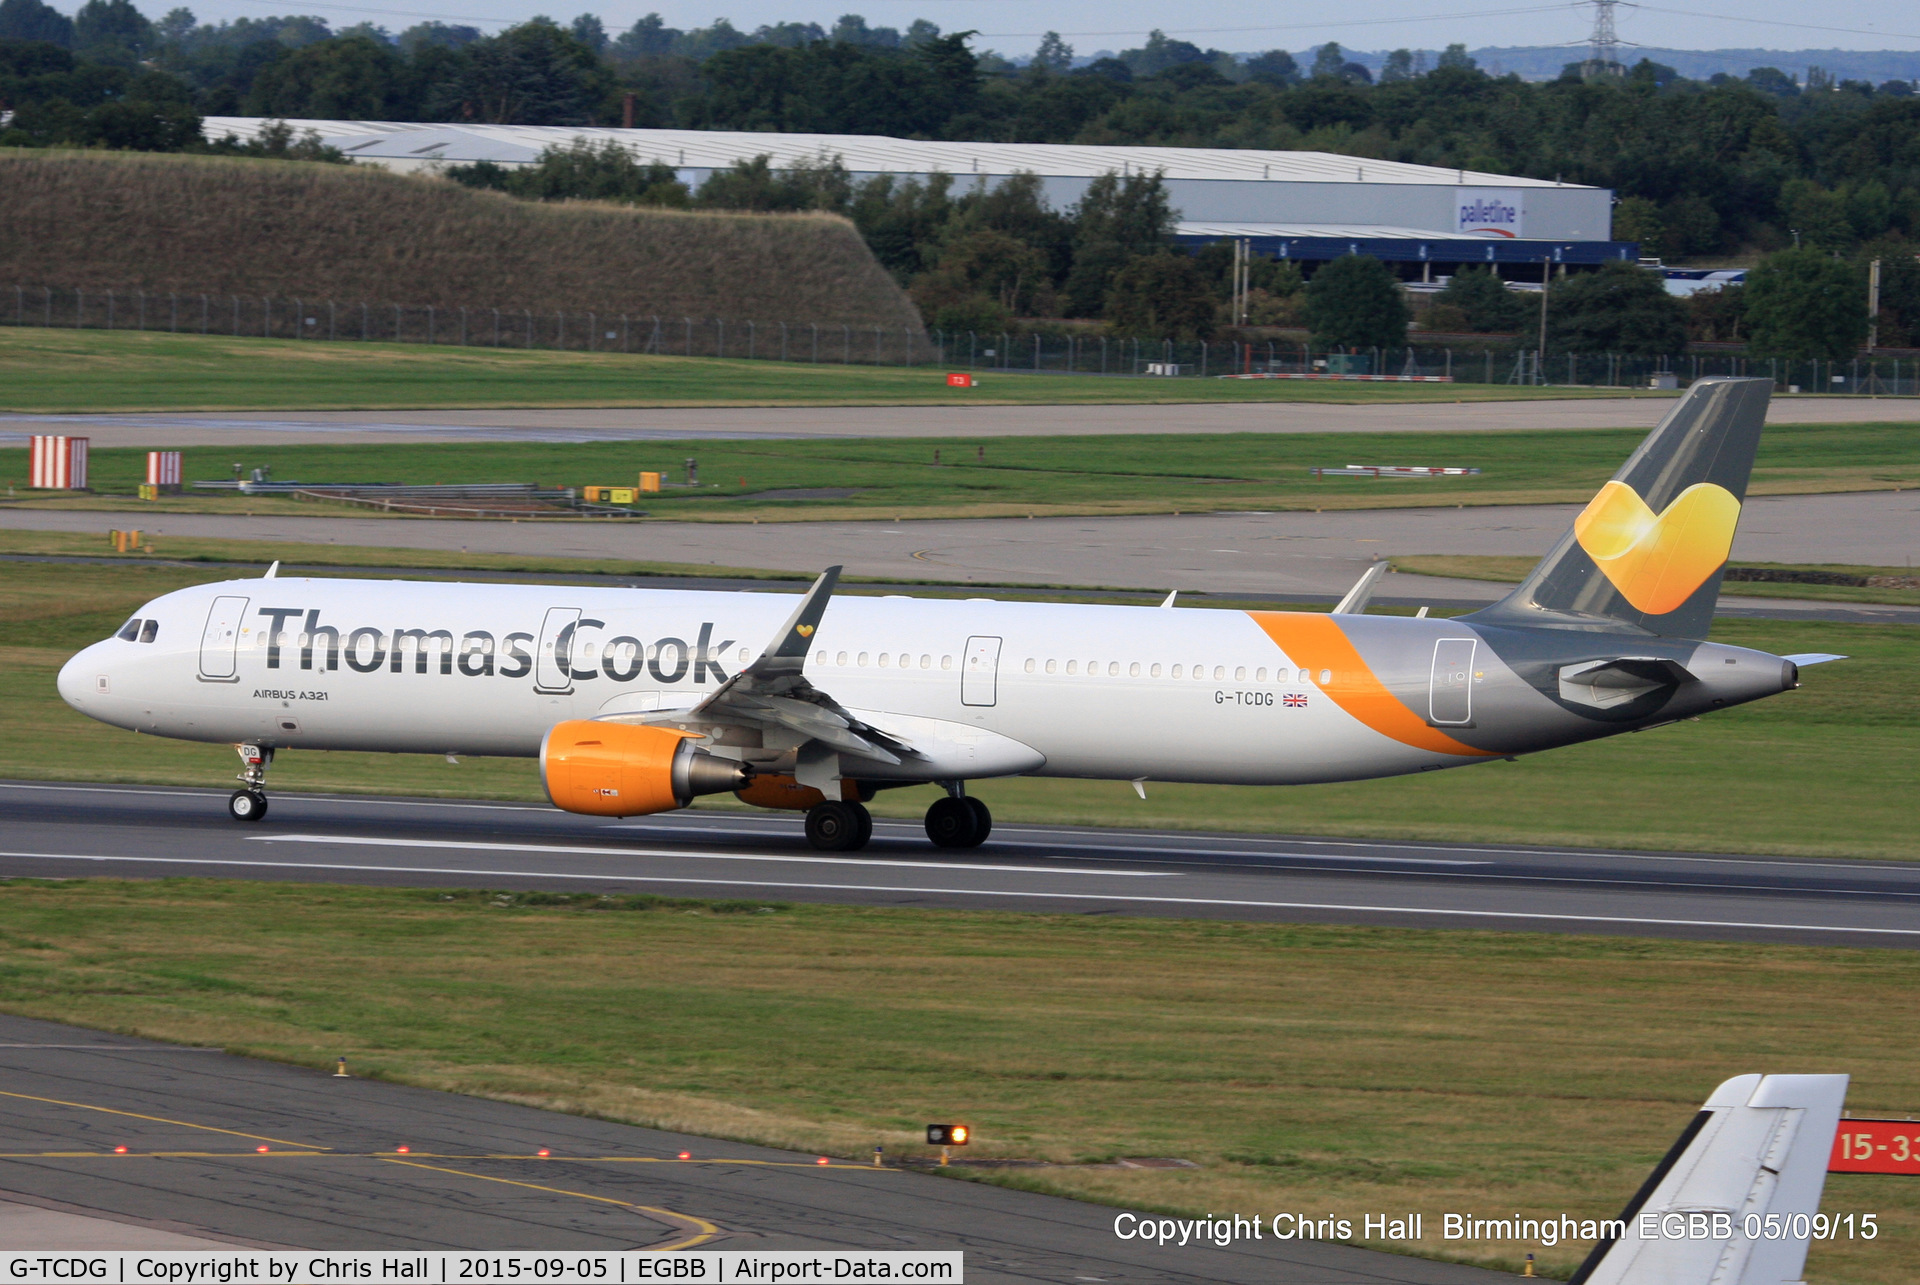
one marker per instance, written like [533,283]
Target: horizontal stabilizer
[1731,1202]
[1806,658]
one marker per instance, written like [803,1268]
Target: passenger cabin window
[149,631]
[1029,664]
[946,662]
[129,632]
[1053,666]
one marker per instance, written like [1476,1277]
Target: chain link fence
[1008,352]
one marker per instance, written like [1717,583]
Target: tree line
[1824,175]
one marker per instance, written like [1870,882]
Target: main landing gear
[249,803]
[956,821]
[839,827]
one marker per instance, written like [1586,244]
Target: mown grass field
[1326,1070]
[1009,476]
[1512,570]
[54,370]
[1826,770]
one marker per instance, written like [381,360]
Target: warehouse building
[1305,206]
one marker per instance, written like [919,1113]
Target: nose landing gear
[249,803]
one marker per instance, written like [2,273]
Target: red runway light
[543,1152]
[686,1155]
[403,1149]
[119,1151]
[260,1149]
[822,1161]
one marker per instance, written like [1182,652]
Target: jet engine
[623,770]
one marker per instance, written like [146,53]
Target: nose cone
[85,678]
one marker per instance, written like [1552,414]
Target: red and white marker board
[1876,1146]
[59,463]
[959,379]
[163,468]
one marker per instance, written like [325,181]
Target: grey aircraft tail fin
[1648,551]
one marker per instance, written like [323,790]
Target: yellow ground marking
[704,1230]
[159,1119]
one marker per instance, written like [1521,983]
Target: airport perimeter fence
[1009,353]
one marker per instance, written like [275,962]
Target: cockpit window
[149,631]
[129,631]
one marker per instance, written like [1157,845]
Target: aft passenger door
[551,671]
[1450,692]
[979,676]
[220,641]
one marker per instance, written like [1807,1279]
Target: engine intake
[623,770]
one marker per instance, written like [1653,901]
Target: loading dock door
[1450,696]
[220,642]
[979,677]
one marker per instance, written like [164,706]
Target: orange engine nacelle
[623,770]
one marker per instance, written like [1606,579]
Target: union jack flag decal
[1294,700]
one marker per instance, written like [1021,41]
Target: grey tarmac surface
[67,831]
[585,424]
[1298,556]
[331,1177]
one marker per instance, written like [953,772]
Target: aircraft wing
[774,692]
[1724,1206]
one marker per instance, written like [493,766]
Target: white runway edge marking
[570,850]
[987,892]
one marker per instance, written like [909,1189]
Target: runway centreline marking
[158,1119]
[704,1230]
[577,850]
[1540,916]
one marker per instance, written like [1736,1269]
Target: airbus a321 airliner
[638,701]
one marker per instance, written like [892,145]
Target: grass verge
[868,478]
[1513,570]
[1326,1070]
[89,370]
[1826,770]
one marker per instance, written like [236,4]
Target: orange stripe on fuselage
[1316,642]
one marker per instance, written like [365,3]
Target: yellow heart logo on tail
[805,631]
[1658,560]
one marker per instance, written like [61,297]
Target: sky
[1014,26]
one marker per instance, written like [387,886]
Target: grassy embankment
[360,234]
[58,371]
[1336,1071]
[1827,770]
[1007,476]
[1513,570]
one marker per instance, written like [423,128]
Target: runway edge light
[949,1135]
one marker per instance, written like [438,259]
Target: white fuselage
[1063,690]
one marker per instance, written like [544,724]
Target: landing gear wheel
[838,827]
[247,805]
[983,820]
[953,823]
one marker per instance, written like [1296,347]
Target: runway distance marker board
[1876,1146]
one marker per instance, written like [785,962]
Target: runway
[223,1149]
[626,424]
[68,831]
[1302,555]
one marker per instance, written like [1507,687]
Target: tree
[1804,305]
[1485,302]
[32,20]
[532,74]
[1329,61]
[1054,54]
[581,172]
[1455,57]
[819,183]
[1160,296]
[1397,68]
[1355,302]
[1274,67]
[1622,308]
[591,32]
[647,38]
[1119,218]
[351,79]
[112,31]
